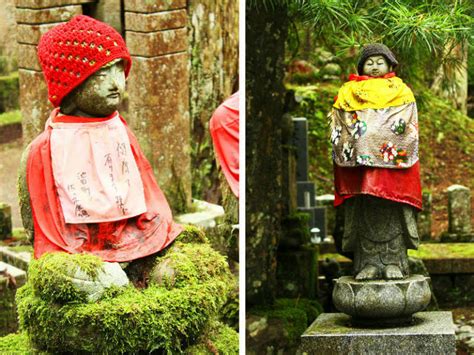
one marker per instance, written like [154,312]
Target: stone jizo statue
[85,185]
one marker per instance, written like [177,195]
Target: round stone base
[381,302]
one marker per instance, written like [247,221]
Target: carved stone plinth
[381,302]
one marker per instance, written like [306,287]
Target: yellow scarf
[374,93]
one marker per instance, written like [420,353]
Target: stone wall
[214,41]
[158,88]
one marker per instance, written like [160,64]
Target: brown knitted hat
[376,49]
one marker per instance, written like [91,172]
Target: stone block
[332,333]
[42,4]
[31,34]
[157,43]
[328,202]
[159,115]
[459,209]
[49,15]
[5,221]
[20,260]
[424,218]
[148,6]
[10,279]
[34,104]
[155,21]
[108,11]
[205,215]
[28,57]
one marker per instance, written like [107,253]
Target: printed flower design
[347,151]
[391,153]
[358,127]
[398,127]
[365,160]
[336,135]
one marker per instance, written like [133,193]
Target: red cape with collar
[400,185]
[117,241]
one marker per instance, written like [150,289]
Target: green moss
[296,228]
[217,339]
[443,251]
[312,308]
[22,248]
[189,264]
[50,275]
[192,234]
[17,344]
[10,117]
[134,320]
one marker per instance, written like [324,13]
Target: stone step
[18,274]
[206,215]
[19,259]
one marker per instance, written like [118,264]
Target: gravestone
[5,221]
[424,217]
[306,197]
[459,215]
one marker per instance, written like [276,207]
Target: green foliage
[10,117]
[9,92]
[50,276]
[312,308]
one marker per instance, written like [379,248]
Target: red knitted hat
[71,52]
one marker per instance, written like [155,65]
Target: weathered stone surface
[5,221]
[423,218]
[8,38]
[31,34]
[214,49]
[41,4]
[35,107]
[110,275]
[28,57]
[110,12]
[459,209]
[331,334]
[20,260]
[159,116]
[153,5]
[205,215]
[381,301]
[157,43]
[49,15]
[10,279]
[155,21]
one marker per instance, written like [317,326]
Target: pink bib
[95,173]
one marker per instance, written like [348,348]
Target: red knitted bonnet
[69,53]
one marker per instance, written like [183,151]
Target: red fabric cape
[117,241]
[400,185]
[224,127]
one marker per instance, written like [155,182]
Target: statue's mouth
[114,95]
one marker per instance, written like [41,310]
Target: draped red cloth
[400,185]
[118,241]
[224,127]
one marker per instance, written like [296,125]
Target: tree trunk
[266,32]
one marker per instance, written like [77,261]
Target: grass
[10,117]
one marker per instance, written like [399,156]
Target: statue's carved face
[100,95]
[376,65]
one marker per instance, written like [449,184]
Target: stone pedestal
[381,302]
[333,333]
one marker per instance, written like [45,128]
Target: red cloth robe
[400,185]
[117,241]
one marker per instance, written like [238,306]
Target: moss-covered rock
[167,316]
[17,343]
[51,276]
[217,339]
[189,264]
